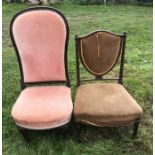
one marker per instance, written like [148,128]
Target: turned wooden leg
[24,133]
[135,129]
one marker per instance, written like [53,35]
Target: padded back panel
[40,37]
[99,52]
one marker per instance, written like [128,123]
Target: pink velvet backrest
[40,38]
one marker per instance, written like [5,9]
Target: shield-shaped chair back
[99,52]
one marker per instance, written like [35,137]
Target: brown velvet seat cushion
[105,104]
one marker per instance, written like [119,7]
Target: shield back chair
[101,104]
[40,38]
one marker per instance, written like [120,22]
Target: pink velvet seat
[43,107]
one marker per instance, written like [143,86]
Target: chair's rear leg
[135,129]
[66,130]
[24,133]
[78,132]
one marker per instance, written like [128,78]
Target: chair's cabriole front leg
[135,129]
[24,133]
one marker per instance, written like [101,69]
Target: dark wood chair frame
[119,79]
[24,131]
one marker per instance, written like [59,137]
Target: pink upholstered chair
[40,38]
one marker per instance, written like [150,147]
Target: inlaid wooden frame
[119,79]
